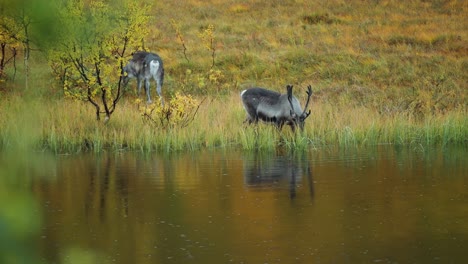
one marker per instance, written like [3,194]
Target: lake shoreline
[67,126]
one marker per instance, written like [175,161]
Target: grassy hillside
[382,72]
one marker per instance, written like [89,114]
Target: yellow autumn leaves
[178,112]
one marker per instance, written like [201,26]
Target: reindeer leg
[159,89]
[157,72]
[293,127]
[140,83]
[249,120]
[279,124]
[147,88]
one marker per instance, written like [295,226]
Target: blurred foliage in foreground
[20,214]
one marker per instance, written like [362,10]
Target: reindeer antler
[309,94]
[289,89]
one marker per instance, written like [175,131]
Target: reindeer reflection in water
[271,171]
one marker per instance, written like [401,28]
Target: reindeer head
[298,118]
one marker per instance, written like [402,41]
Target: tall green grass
[64,126]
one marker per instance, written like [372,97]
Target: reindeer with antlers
[274,107]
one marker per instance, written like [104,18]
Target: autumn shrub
[179,112]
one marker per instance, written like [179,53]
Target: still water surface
[380,205]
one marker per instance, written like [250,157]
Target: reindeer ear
[292,113]
[304,116]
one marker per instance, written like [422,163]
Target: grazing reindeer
[144,66]
[271,106]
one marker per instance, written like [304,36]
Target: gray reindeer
[273,107]
[144,66]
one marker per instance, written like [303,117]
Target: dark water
[380,205]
